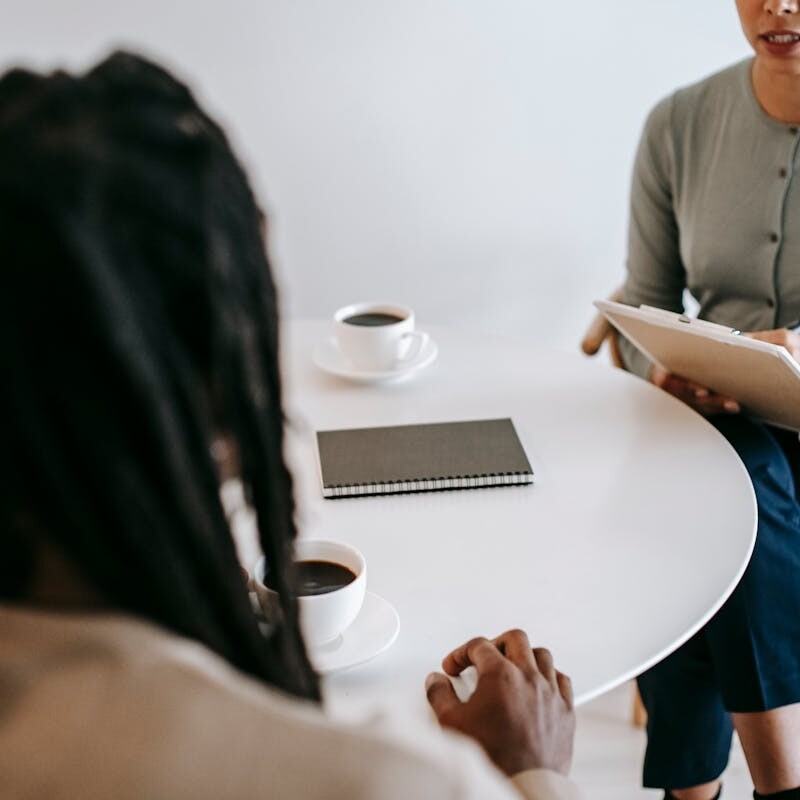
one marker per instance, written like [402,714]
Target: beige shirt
[715,209]
[105,706]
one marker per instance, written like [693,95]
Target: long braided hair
[137,320]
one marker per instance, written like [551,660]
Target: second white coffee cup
[324,615]
[377,337]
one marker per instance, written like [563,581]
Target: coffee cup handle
[416,342]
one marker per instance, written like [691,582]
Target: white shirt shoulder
[98,707]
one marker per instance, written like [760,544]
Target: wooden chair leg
[638,713]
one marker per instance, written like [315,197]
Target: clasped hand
[521,711]
[701,398]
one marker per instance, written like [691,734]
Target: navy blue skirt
[747,657]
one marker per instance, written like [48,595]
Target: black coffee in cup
[317,577]
[373,319]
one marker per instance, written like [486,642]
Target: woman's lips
[780,43]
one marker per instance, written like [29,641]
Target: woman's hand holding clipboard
[713,368]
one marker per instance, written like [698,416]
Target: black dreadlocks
[137,319]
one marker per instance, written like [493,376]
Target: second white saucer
[374,630]
[329,358]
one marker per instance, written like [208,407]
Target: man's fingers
[441,696]
[479,653]
[516,647]
[565,688]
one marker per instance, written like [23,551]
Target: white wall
[470,158]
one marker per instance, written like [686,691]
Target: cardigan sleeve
[655,272]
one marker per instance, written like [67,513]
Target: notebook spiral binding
[428,485]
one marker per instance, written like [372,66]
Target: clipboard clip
[689,320]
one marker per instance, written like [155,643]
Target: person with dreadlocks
[138,323]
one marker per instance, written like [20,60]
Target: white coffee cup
[377,337]
[323,617]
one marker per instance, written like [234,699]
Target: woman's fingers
[521,711]
[516,647]
[780,336]
[544,661]
[479,653]
[513,645]
[441,696]
[565,688]
[700,398]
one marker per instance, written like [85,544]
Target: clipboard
[762,377]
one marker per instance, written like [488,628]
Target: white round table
[639,524]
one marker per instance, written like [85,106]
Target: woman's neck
[777,91]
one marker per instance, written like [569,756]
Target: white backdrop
[470,158]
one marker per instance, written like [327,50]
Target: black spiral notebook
[421,458]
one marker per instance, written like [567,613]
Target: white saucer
[374,630]
[329,358]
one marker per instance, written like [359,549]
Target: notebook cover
[412,454]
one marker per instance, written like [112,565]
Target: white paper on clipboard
[762,377]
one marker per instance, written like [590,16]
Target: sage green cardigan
[715,209]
